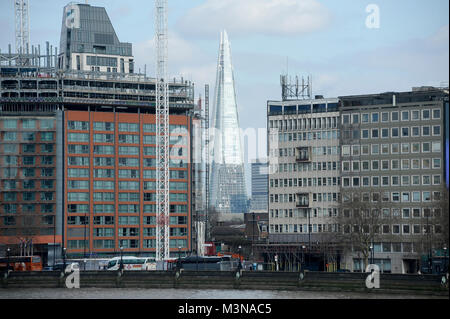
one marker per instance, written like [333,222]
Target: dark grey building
[393,169]
[89,42]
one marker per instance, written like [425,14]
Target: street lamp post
[303,255]
[371,253]
[445,259]
[179,257]
[121,258]
[240,264]
[64,259]
[7,258]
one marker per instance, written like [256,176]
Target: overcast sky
[327,39]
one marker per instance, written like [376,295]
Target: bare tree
[360,223]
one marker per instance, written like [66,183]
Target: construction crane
[22,20]
[162,132]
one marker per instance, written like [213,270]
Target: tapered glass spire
[228,191]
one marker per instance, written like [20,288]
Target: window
[405,164]
[425,114]
[405,115]
[365,118]
[395,180]
[436,130]
[426,196]
[394,132]
[405,131]
[415,180]
[436,114]
[415,131]
[405,148]
[385,149]
[436,179]
[395,148]
[436,147]
[10,136]
[425,147]
[375,133]
[415,148]
[375,165]
[394,116]
[405,199]
[375,149]
[384,133]
[415,115]
[425,131]
[405,180]
[375,117]
[128,127]
[365,134]
[385,117]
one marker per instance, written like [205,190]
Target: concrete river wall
[246,280]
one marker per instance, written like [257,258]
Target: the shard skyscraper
[228,191]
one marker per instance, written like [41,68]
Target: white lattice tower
[162,132]
[22,20]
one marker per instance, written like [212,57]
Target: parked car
[343,270]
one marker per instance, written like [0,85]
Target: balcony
[302,200]
[303,154]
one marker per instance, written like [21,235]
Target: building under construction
[78,146]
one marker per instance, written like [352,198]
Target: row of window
[12,172]
[28,124]
[399,229]
[302,167]
[134,232]
[394,132]
[27,160]
[305,182]
[12,221]
[393,148]
[304,198]
[123,150]
[27,137]
[26,208]
[386,181]
[125,197]
[305,136]
[393,116]
[123,185]
[319,151]
[123,127]
[386,213]
[304,123]
[404,164]
[393,197]
[122,208]
[125,243]
[28,196]
[28,148]
[123,220]
[28,184]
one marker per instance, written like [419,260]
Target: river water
[135,293]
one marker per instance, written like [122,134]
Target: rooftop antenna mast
[22,20]
[162,131]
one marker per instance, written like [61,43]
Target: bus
[132,263]
[21,263]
